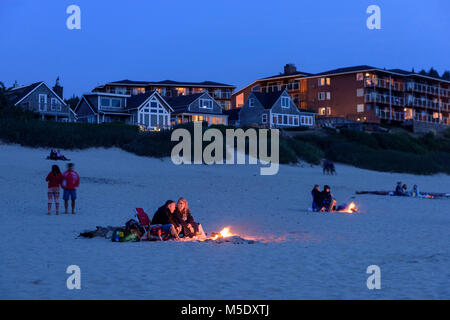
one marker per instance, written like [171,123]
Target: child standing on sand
[70,183]
[54,179]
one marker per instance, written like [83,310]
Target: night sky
[233,42]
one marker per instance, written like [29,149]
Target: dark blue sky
[229,41]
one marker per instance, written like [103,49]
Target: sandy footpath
[300,254]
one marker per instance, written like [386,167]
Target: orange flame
[351,208]
[224,233]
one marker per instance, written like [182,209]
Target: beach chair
[154,231]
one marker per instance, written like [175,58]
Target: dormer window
[285,102]
[206,104]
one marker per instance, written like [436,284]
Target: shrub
[306,151]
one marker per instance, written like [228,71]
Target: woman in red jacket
[54,179]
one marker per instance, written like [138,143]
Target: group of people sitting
[402,190]
[56,155]
[176,220]
[323,201]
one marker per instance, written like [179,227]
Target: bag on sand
[124,235]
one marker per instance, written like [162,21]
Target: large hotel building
[363,93]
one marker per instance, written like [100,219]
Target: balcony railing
[402,116]
[221,94]
[383,83]
[385,99]
[425,88]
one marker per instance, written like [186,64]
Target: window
[206,103]
[285,102]
[115,103]
[55,104]
[324,82]
[322,111]
[264,118]
[360,108]
[296,120]
[119,90]
[328,95]
[321,96]
[105,102]
[328,111]
[359,77]
[251,102]
[359,92]
[274,119]
[42,102]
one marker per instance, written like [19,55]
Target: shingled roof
[268,99]
[16,94]
[181,103]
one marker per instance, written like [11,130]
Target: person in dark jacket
[328,202]
[165,217]
[184,218]
[317,198]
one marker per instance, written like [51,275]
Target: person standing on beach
[54,179]
[70,183]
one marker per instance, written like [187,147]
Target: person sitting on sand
[415,191]
[398,189]
[54,179]
[60,156]
[52,154]
[317,198]
[184,218]
[164,216]
[405,190]
[328,202]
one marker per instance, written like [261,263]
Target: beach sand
[298,254]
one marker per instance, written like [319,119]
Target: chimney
[290,68]
[16,84]
[58,89]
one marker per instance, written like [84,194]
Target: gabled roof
[136,101]
[181,103]
[17,94]
[233,114]
[268,99]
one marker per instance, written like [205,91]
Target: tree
[446,75]
[433,73]
[72,102]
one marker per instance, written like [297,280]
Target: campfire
[351,208]
[224,233]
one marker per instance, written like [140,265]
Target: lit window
[206,103]
[328,81]
[322,111]
[328,111]
[359,77]
[360,108]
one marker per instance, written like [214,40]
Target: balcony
[384,99]
[404,117]
[383,83]
[424,88]
[220,94]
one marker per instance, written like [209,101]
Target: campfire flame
[351,208]
[224,233]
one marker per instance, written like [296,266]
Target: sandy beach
[298,254]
